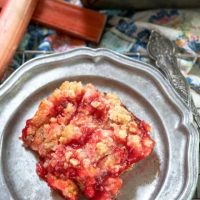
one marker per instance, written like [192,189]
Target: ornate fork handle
[162,50]
[174,75]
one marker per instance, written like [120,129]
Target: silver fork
[163,51]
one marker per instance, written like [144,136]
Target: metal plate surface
[171,170]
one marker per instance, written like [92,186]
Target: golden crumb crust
[85,140]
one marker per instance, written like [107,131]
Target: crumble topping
[85,140]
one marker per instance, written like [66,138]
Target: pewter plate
[171,170]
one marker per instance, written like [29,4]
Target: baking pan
[170,172]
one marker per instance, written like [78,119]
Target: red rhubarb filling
[85,140]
